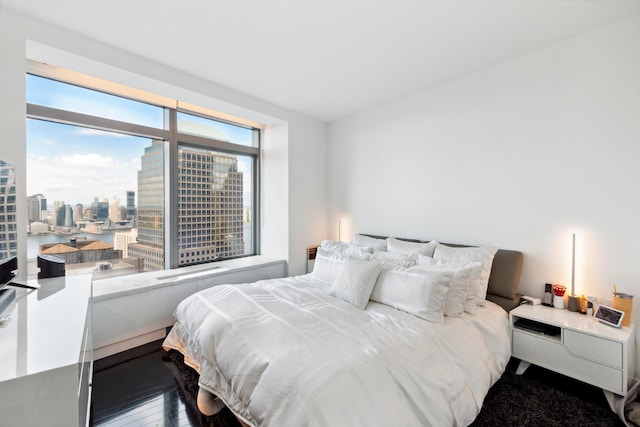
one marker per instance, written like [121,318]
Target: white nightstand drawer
[553,355]
[593,348]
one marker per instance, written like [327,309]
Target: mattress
[283,352]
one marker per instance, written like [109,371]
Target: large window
[117,185]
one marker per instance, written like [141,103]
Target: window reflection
[8,224]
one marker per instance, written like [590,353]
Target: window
[118,185]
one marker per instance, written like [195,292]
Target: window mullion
[171,236]
[72,118]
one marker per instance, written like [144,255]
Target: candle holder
[574,303]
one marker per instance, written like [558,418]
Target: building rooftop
[59,249]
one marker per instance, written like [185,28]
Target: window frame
[171,137]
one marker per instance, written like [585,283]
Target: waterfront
[34,241]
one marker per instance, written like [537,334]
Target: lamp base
[574,303]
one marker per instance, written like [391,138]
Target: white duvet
[283,352]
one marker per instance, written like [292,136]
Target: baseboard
[124,356]
[129,344]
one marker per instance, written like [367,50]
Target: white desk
[46,355]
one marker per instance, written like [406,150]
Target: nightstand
[575,345]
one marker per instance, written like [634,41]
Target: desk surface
[46,326]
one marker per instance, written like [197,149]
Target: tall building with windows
[131,205]
[122,240]
[100,209]
[114,210]
[78,213]
[150,245]
[68,216]
[64,217]
[8,224]
[36,204]
[210,206]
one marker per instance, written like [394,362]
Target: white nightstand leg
[522,367]
[609,396]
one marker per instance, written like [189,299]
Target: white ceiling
[329,58]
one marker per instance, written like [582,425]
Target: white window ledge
[105,289]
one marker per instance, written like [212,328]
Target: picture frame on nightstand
[609,316]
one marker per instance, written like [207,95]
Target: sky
[75,165]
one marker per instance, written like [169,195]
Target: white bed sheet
[283,352]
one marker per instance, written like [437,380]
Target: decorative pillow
[393,259]
[327,265]
[461,293]
[421,293]
[483,254]
[366,241]
[355,281]
[402,247]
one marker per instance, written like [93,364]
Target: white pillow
[461,293]
[376,244]
[421,293]
[327,265]
[355,281]
[402,247]
[362,252]
[344,248]
[334,246]
[483,254]
[395,259]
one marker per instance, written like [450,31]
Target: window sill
[106,289]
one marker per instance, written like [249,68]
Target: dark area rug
[537,398]
[543,398]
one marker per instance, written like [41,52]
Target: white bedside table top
[572,320]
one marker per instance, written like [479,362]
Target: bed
[290,352]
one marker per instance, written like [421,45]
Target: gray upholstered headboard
[504,278]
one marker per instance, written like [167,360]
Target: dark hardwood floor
[142,391]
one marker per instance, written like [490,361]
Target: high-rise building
[210,211]
[131,205]
[36,205]
[100,209]
[68,216]
[61,212]
[78,213]
[8,224]
[210,207]
[150,245]
[114,210]
[58,212]
[122,240]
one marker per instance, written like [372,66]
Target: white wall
[296,155]
[523,154]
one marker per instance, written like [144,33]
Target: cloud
[97,132]
[78,178]
[89,161]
